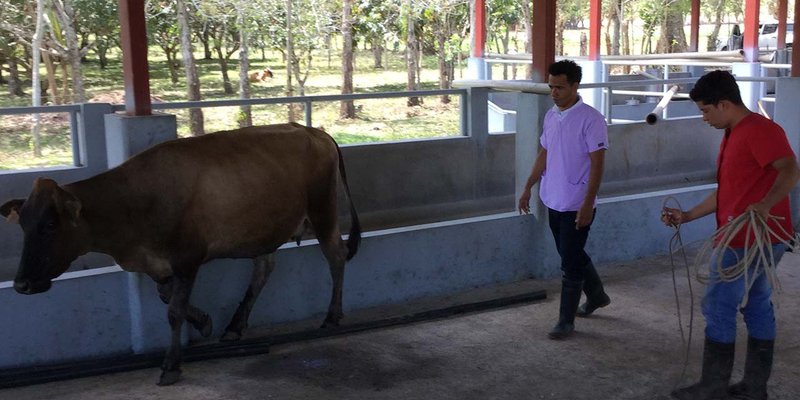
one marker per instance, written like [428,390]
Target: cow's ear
[10,210]
[72,205]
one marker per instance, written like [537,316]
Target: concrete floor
[629,350]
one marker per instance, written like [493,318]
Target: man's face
[715,115]
[563,93]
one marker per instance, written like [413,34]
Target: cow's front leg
[199,319]
[178,306]
[262,267]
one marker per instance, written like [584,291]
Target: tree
[72,54]
[192,80]
[444,17]
[412,53]
[673,38]
[98,19]
[346,109]
[377,22]
[163,30]
[222,30]
[242,22]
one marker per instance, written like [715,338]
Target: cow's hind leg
[323,217]
[199,319]
[178,310]
[262,268]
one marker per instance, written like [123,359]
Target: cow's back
[236,193]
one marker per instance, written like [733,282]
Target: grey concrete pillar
[531,109]
[787,96]
[478,68]
[478,128]
[127,135]
[751,91]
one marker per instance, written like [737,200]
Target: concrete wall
[105,311]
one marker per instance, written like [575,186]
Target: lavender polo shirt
[569,136]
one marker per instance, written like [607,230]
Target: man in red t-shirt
[756,169]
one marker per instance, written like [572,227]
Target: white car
[767,38]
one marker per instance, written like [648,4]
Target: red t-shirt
[745,173]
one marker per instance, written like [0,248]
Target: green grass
[376,119]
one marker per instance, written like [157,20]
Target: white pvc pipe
[652,118]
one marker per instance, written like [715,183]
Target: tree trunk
[291,109]
[66,16]
[377,53]
[172,64]
[615,17]
[36,87]
[55,96]
[412,52]
[527,21]
[192,80]
[444,71]
[14,83]
[245,111]
[713,37]
[206,40]
[347,109]
[223,66]
[673,39]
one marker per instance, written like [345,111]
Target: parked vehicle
[767,37]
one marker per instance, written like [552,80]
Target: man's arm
[597,159]
[788,174]
[536,174]
[673,216]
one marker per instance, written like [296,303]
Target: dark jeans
[575,263]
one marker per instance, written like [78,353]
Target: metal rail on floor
[79,369]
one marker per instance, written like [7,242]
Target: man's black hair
[566,67]
[716,86]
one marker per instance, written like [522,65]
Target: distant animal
[164,212]
[260,76]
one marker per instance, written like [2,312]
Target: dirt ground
[629,350]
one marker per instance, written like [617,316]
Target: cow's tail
[355,227]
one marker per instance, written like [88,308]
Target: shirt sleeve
[769,145]
[596,134]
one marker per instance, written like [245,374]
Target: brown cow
[260,76]
[234,194]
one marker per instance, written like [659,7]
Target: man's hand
[673,217]
[584,217]
[760,208]
[524,203]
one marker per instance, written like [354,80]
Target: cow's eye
[50,226]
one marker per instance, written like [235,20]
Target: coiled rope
[757,254]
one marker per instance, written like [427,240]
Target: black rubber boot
[757,368]
[717,367]
[596,296]
[570,297]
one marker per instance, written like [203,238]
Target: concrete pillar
[478,68]
[593,72]
[129,135]
[787,96]
[531,109]
[478,128]
[751,91]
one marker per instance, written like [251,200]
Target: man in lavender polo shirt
[570,166]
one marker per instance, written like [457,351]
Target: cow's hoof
[169,377]
[230,336]
[330,323]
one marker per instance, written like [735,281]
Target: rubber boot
[757,368]
[717,367]
[570,297]
[596,296]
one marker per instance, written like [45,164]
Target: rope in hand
[757,253]
[675,245]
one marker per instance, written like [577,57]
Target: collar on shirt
[563,113]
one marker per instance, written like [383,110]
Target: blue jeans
[722,300]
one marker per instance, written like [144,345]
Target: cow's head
[50,220]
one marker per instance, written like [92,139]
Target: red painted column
[479,36]
[595,25]
[694,27]
[783,11]
[796,44]
[750,30]
[136,76]
[543,38]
